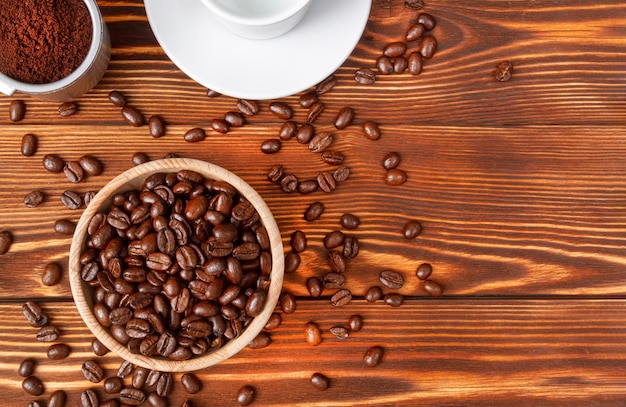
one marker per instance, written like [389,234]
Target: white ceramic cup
[83,79]
[258,19]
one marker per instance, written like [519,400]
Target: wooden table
[520,187]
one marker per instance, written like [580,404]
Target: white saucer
[258,69]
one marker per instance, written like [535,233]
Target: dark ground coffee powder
[43,41]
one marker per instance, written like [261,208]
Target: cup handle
[7,89]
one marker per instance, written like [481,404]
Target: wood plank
[437,352]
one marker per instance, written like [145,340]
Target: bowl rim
[133,178]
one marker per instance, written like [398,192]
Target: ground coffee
[43,41]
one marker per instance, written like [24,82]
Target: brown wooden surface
[519,187]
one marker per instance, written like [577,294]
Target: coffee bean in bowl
[169,264]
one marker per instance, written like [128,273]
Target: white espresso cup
[258,19]
[83,79]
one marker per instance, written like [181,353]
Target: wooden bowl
[133,179]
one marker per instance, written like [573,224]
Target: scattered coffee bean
[34,198]
[337,262]
[212,93]
[27,367]
[424,271]
[131,396]
[89,398]
[113,385]
[314,286]
[292,262]
[29,145]
[315,111]
[191,383]
[36,403]
[298,241]
[73,172]
[57,399]
[395,177]
[427,20]
[288,130]
[117,98]
[88,196]
[220,125]
[307,99]
[350,247]
[52,274]
[394,300]
[58,351]
[391,160]
[314,211]
[400,64]
[17,110]
[326,181]
[326,85]
[394,49]
[262,340]
[320,142]
[342,173]
[276,173]
[140,375]
[341,298]
[154,400]
[384,65]
[92,371]
[289,183]
[414,4]
[373,356]
[334,239]
[350,221]
[53,163]
[308,186]
[428,47]
[371,130]
[281,110]
[33,386]
[156,126]
[67,109]
[432,288]
[365,76]
[415,63]
[504,71]
[248,107]
[411,229]
[194,135]
[64,227]
[245,395]
[287,303]
[355,322]
[334,280]
[271,146]
[312,334]
[319,381]
[332,157]
[71,199]
[139,158]
[273,322]
[34,314]
[98,348]
[132,116]
[165,383]
[125,369]
[305,133]
[391,279]
[344,117]
[91,165]
[373,294]
[340,332]
[414,32]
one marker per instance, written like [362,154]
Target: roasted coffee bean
[273,322]
[125,370]
[394,300]
[428,47]
[307,99]
[344,118]
[57,399]
[394,49]
[140,375]
[340,332]
[212,93]
[424,271]
[58,351]
[113,385]
[245,395]
[71,199]
[117,98]
[153,378]
[298,241]
[395,177]
[414,32]
[287,302]
[132,116]
[334,280]
[336,262]
[235,119]
[400,64]
[312,334]
[67,109]
[191,383]
[27,367]
[319,381]
[165,383]
[289,183]
[132,396]
[350,247]
[334,239]
[326,85]
[139,158]
[373,294]
[276,173]
[391,279]
[411,229]
[17,110]
[255,303]
[98,348]
[74,172]
[350,221]
[89,398]
[341,297]
[248,107]
[314,211]
[315,111]
[47,333]
[314,286]
[371,130]
[342,173]
[154,400]
[432,288]
[332,157]
[415,63]
[384,65]
[34,199]
[427,20]
[34,314]
[262,340]
[91,165]
[326,181]
[88,196]
[29,145]
[308,186]
[391,160]
[355,322]
[53,163]
[52,274]
[320,142]
[271,146]
[373,356]
[194,135]
[64,227]
[33,386]
[37,403]
[292,262]
[365,76]
[305,133]
[281,110]
[220,125]
[92,371]
[504,71]
[288,130]
[156,126]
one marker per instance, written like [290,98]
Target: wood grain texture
[519,187]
